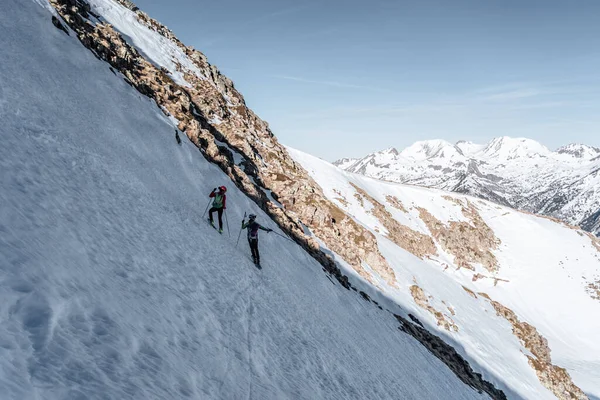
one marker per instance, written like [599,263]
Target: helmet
[252,216]
[222,189]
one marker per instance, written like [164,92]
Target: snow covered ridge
[474,266]
[516,172]
[232,137]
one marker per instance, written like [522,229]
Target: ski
[214,226]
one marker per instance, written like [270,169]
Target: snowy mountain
[516,172]
[478,267]
[113,286]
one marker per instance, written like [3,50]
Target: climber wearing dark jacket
[218,205]
[253,228]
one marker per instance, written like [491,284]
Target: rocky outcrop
[423,301]
[341,199]
[469,242]
[555,378]
[593,289]
[410,240]
[470,292]
[396,203]
[496,280]
[449,356]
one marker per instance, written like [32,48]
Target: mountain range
[515,172]
[114,284]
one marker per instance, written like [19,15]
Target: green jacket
[219,200]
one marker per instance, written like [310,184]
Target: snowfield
[543,269]
[113,287]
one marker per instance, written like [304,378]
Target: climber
[253,228]
[218,205]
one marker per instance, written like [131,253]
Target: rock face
[470,242]
[518,173]
[213,114]
[415,242]
[422,300]
[450,357]
[555,378]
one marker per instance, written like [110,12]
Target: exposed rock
[415,242]
[485,295]
[449,356]
[477,277]
[59,25]
[396,203]
[422,301]
[341,198]
[555,378]
[472,293]
[469,243]
[593,289]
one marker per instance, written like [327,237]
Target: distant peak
[344,162]
[427,149]
[469,148]
[390,150]
[581,151]
[509,148]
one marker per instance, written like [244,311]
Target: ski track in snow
[111,287]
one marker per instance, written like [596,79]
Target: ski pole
[206,209]
[285,237]
[227,222]
[238,240]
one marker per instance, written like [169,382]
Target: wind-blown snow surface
[546,265]
[112,286]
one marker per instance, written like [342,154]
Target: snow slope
[517,172]
[112,286]
[544,269]
[156,48]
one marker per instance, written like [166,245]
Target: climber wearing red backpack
[218,205]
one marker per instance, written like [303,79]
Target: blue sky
[344,78]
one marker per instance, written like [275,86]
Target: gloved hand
[269,230]
[215,189]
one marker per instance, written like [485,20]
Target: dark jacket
[253,228]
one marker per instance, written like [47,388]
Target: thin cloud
[514,94]
[331,83]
